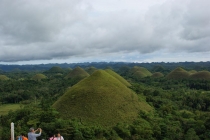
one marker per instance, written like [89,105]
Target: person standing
[59,137]
[32,135]
[24,137]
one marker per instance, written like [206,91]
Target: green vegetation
[3,77]
[205,75]
[100,99]
[139,72]
[178,73]
[77,74]
[38,77]
[55,69]
[91,70]
[117,76]
[105,106]
[157,75]
[5,108]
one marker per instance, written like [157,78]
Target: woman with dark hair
[53,138]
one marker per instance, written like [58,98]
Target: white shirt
[60,138]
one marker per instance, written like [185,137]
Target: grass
[5,108]
[200,75]
[3,77]
[55,69]
[117,76]
[91,70]
[38,77]
[139,72]
[77,73]
[178,73]
[100,99]
[157,75]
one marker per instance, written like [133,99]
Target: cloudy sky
[59,31]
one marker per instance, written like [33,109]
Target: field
[4,109]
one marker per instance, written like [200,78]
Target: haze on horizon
[59,31]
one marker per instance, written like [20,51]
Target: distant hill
[100,99]
[38,77]
[158,68]
[139,72]
[157,75]
[91,70]
[77,74]
[3,77]
[200,75]
[55,69]
[178,73]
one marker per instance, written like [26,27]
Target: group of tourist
[32,135]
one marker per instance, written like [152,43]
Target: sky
[71,31]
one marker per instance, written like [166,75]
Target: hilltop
[178,73]
[77,74]
[38,77]
[139,72]
[100,99]
[117,76]
[200,75]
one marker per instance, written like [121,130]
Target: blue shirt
[32,136]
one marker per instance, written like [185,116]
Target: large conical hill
[117,76]
[100,99]
[200,75]
[3,77]
[178,73]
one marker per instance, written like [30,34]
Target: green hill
[117,76]
[178,73]
[77,74]
[157,75]
[200,75]
[139,72]
[55,69]
[158,69]
[3,77]
[100,99]
[192,71]
[91,70]
[38,77]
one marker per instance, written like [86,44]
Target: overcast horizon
[73,31]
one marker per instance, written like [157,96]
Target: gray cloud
[44,30]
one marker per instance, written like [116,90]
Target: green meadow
[5,108]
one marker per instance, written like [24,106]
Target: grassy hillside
[77,74]
[3,77]
[139,72]
[117,76]
[5,108]
[55,69]
[91,70]
[38,77]
[100,99]
[200,75]
[178,73]
[157,75]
